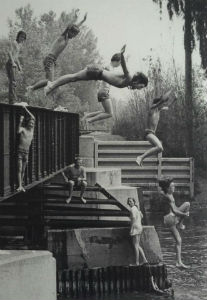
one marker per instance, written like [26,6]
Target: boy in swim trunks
[26,135]
[13,64]
[104,97]
[75,176]
[56,49]
[137,81]
[158,105]
[174,215]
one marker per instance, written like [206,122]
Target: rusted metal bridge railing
[54,146]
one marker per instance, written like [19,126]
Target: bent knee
[84,183]
[160,148]
[187,204]
[71,182]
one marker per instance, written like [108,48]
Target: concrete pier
[27,275]
[100,247]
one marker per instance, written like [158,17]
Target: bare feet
[83,200]
[20,189]
[181,226]
[139,161]
[68,200]
[48,88]
[182,266]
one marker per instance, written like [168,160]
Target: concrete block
[100,247]
[27,275]
[104,176]
[88,162]
[86,146]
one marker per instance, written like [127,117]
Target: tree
[194,13]
[81,51]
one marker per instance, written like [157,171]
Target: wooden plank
[96,154]
[152,184]
[192,177]
[176,159]
[118,151]
[124,143]
[159,167]
[95,213]
[135,176]
[127,159]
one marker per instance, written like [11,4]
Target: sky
[136,23]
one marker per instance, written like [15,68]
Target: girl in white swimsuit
[136,229]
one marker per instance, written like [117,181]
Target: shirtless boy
[13,64]
[56,49]
[104,97]
[75,176]
[158,105]
[137,81]
[26,135]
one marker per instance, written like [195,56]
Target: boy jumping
[158,105]
[26,135]
[137,81]
[104,97]
[56,49]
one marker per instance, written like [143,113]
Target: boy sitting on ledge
[75,177]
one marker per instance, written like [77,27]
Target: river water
[190,284]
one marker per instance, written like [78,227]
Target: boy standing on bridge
[158,105]
[26,135]
[94,72]
[13,64]
[75,177]
[56,49]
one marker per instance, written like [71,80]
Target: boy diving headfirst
[56,49]
[136,81]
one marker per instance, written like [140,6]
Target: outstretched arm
[29,113]
[73,23]
[20,128]
[81,22]
[176,211]
[123,63]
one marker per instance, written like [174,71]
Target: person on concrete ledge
[55,50]
[26,135]
[174,215]
[158,105]
[136,230]
[94,72]
[75,177]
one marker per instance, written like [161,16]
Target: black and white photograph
[103,149]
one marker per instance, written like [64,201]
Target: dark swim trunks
[49,61]
[73,30]
[23,155]
[147,131]
[103,94]
[94,72]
